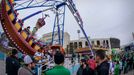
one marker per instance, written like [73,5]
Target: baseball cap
[27,59]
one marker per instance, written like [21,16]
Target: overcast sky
[102,19]
[108,18]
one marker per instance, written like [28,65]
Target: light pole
[78,31]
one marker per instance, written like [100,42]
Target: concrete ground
[129,73]
[2,67]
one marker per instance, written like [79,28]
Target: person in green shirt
[59,69]
[116,68]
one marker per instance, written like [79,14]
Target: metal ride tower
[58,7]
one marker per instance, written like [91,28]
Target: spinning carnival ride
[19,36]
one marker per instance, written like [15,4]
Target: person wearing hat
[59,69]
[27,68]
[12,63]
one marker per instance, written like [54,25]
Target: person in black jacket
[84,69]
[12,63]
[103,65]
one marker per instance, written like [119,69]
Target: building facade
[47,38]
[107,43]
[71,46]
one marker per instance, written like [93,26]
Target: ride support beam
[36,13]
[31,15]
[77,17]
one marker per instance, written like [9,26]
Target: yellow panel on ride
[30,42]
[36,47]
[12,17]
[18,26]
[7,7]
[24,34]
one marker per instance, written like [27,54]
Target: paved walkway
[129,73]
[2,67]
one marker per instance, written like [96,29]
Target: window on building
[98,42]
[103,41]
[71,45]
[92,42]
[107,43]
[80,44]
[71,48]
[67,49]
[75,45]
[86,43]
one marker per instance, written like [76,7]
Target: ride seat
[11,12]
[8,8]
[19,25]
[12,16]
[24,34]
[31,40]
[36,47]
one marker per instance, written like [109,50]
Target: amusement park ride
[13,26]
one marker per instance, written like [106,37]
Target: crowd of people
[90,65]
[26,65]
[119,64]
[122,64]
[94,66]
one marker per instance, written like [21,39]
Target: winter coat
[103,68]
[86,71]
[12,65]
[25,71]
